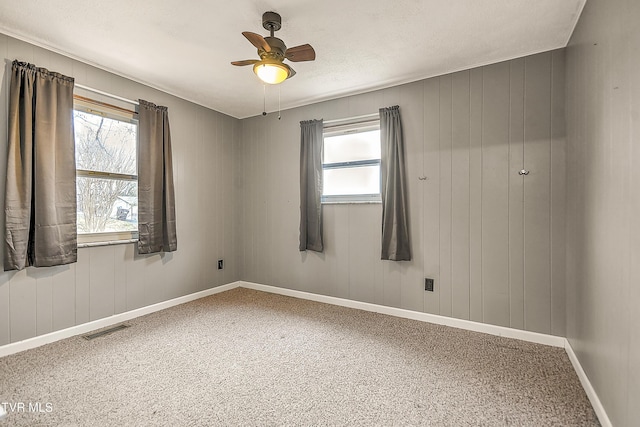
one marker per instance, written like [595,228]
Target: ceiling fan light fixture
[271,72]
[272,51]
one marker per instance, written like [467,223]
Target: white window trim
[343,127]
[105,238]
[350,199]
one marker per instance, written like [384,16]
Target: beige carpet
[249,358]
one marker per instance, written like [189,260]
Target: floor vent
[104,332]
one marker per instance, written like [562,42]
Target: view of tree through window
[107,190]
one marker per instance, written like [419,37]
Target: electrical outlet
[428,284]
[220,264]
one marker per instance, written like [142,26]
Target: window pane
[104,144]
[107,205]
[351,147]
[360,180]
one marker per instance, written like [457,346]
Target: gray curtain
[395,207]
[156,200]
[311,144]
[40,196]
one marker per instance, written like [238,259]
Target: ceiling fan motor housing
[271,21]
[278,49]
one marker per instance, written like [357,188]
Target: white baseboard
[588,387]
[469,325]
[501,331]
[392,311]
[38,341]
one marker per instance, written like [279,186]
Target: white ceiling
[185,47]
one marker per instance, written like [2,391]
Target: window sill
[108,243]
[353,202]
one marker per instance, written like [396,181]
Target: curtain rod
[354,119]
[90,89]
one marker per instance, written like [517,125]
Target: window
[351,165]
[106,172]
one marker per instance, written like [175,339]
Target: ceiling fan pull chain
[264,99]
[278,102]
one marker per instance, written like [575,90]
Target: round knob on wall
[524,172]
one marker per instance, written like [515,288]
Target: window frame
[345,128]
[114,112]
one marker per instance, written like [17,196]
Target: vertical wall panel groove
[550,193]
[480,195]
[431,193]
[537,223]
[558,196]
[476,303]
[516,194]
[509,180]
[64,297]
[460,209]
[524,195]
[44,301]
[445,193]
[495,170]
[450,219]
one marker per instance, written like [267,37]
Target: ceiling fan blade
[257,40]
[304,52]
[245,62]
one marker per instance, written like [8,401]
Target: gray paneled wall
[492,239]
[603,203]
[112,279]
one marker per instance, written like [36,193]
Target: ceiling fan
[272,51]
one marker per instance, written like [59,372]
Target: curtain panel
[395,208]
[311,144]
[40,196]
[156,199]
